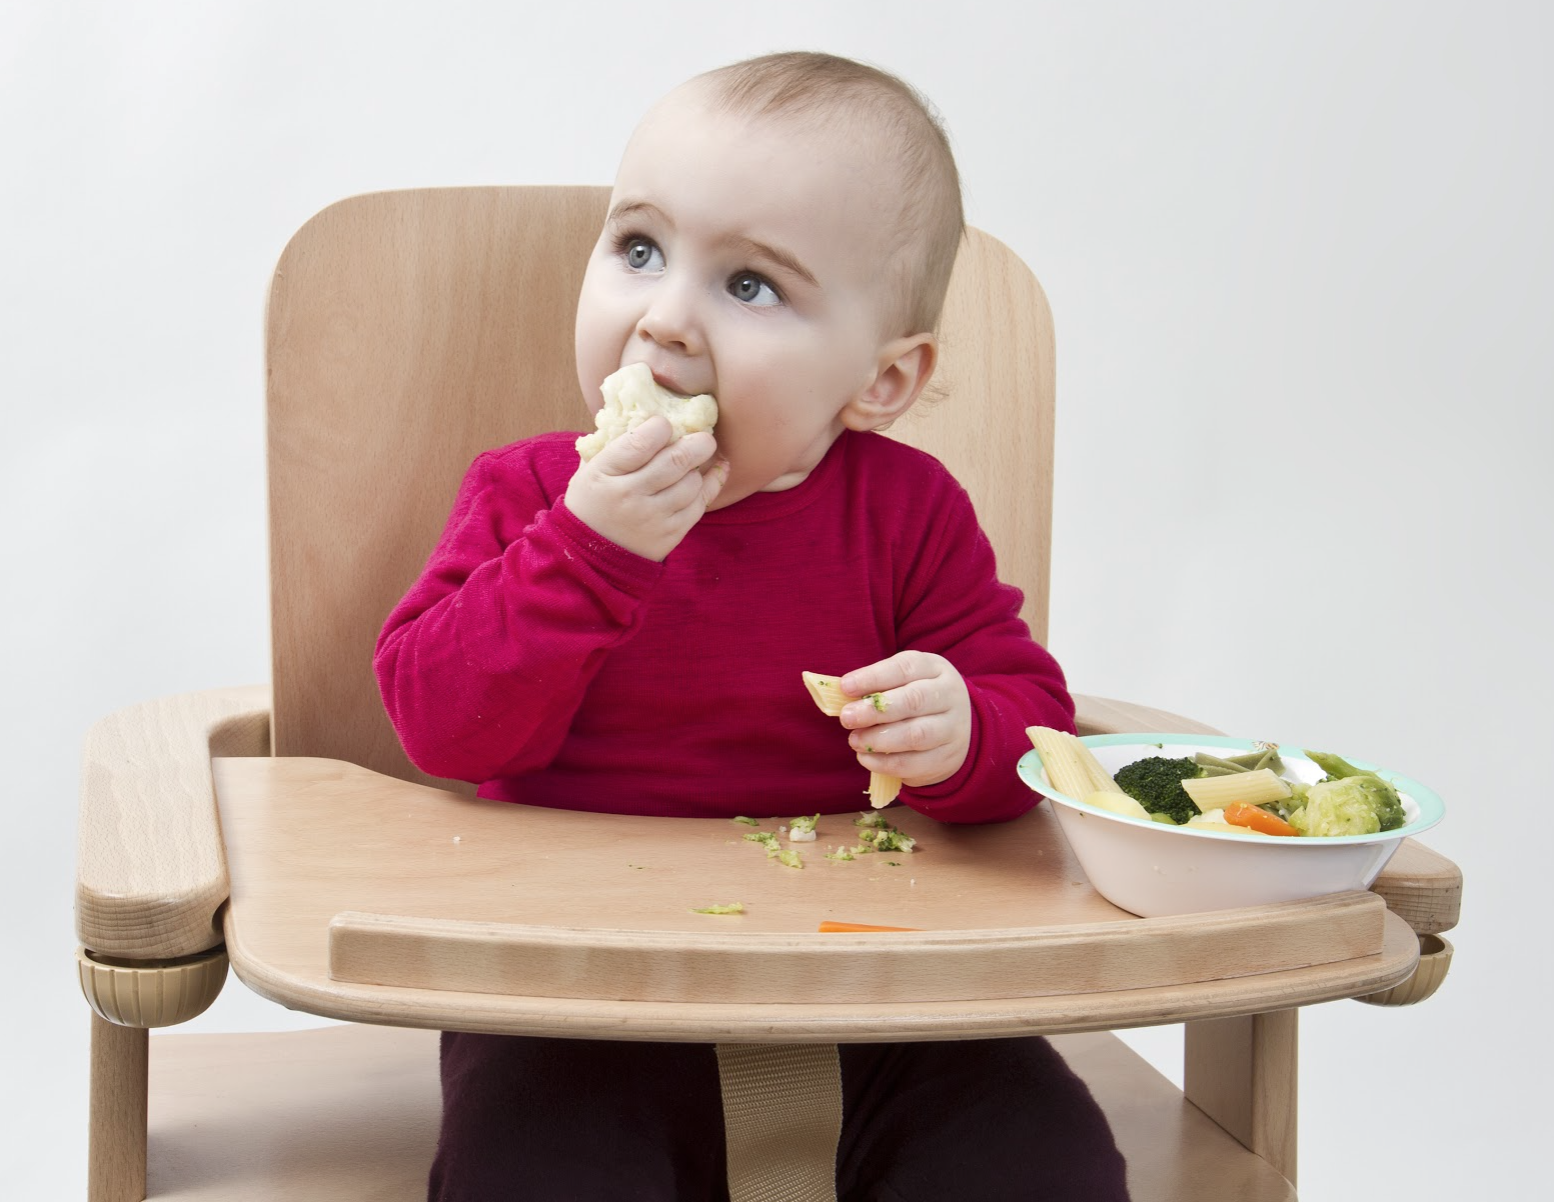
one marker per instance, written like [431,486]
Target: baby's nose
[671,319]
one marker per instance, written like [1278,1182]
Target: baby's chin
[737,488]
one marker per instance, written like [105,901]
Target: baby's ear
[905,364]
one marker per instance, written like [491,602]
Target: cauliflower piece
[802,829]
[631,396]
[1352,805]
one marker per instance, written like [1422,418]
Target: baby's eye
[642,255]
[753,290]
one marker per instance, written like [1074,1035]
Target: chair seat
[349,1113]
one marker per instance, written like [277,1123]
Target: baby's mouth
[671,386]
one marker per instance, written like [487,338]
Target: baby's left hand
[919,729]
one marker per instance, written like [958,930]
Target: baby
[627,632]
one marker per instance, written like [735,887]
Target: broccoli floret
[891,839]
[1156,784]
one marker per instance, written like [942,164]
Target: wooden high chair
[284,829]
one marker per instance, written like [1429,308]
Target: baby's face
[743,257]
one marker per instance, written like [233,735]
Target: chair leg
[1241,1072]
[782,1117]
[116,1148]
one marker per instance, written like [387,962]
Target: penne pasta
[826,692]
[1070,765]
[1254,788]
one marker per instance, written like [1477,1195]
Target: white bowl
[1151,869]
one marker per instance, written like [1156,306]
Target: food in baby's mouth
[631,396]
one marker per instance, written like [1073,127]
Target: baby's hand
[646,489]
[914,719]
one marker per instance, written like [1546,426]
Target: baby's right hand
[646,489]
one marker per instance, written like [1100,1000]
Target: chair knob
[151,993]
[1434,960]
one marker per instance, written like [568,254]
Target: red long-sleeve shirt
[553,667]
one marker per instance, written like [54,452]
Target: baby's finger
[895,672]
[682,458]
[712,482]
[634,449]
[913,767]
[894,738]
[913,699]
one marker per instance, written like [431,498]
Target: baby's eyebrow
[749,246]
[637,208]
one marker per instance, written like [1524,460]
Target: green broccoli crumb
[746,821]
[729,908]
[879,701]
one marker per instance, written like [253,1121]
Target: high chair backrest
[409,331]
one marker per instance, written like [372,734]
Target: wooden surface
[1108,716]
[987,414]
[237,1118]
[798,965]
[410,331]
[116,1116]
[150,876]
[407,332]
[309,839]
[1243,1073]
[1422,887]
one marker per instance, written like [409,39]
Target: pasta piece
[826,692]
[883,789]
[1118,803]
[1254,788]
[1071,766]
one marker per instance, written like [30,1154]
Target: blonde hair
[929,219]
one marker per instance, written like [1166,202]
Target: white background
[1300,260]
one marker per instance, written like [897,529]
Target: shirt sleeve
[484,662]
[953,604]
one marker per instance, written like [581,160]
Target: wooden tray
[358,895]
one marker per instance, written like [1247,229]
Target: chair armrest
[1104,716]
[151,876]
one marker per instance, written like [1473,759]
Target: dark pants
[551,1120]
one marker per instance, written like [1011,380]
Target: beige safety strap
[782,1117]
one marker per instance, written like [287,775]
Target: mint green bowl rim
[1431,808]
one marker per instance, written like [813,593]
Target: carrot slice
[829,927]
[1255,818]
